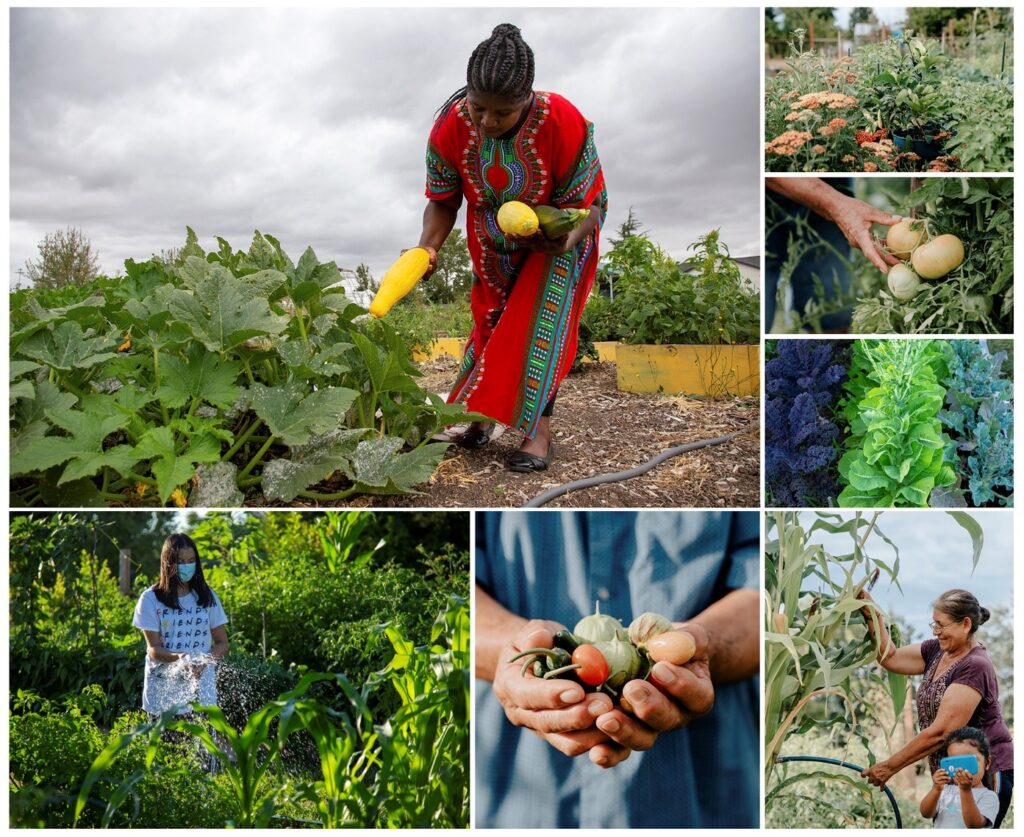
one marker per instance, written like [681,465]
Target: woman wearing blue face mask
[183,621]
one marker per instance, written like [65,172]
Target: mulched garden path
[599,430]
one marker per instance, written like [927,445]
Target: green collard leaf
[67,347]
[862,476]
[284,479]
[379,468]
[222,312]
[293,414]
[200,375]
[974,529]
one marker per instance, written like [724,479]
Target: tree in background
[820,20]
[860,14]
[365,281]
[930,21]
[65,258]
[454,274]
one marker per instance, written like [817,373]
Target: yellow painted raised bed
[689,370]
[606,350]
[440,347]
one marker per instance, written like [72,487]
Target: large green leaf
[222,311]
[83,449]
[200,375]
[284,479]
[973,528]
[378,468]
[171,468]
[48,396]
[293,414]
[318,360]
[215,487]
[67,347]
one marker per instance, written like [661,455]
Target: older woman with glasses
[958,689]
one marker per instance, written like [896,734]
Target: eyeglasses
[938,626]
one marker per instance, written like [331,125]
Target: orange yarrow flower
[832,101]
[833,127]
[787,142]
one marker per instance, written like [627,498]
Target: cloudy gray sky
[311,124]
[935,556]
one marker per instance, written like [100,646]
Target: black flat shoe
[528,463]
[474,439]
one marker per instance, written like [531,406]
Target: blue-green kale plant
[979,414]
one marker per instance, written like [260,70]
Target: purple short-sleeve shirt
[975,670]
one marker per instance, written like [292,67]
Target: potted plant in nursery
[911,105]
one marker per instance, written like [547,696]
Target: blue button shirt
[555,565]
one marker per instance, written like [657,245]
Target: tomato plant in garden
[902,105]
[656,300]
[975,297]
[209,379]
[914,423]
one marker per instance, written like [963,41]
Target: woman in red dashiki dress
[495,141]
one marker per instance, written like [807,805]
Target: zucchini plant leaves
[293,414]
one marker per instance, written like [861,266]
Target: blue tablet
[951,763]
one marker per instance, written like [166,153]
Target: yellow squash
[401,278]
[516,218]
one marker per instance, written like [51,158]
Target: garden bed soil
[599,430]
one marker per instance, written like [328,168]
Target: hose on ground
[848,766]
[618,476]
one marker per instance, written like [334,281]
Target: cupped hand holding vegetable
[671,697]
[557,709]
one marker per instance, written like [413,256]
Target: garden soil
[600,430]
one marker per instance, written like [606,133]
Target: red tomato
[593,667]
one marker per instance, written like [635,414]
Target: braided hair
[502,65]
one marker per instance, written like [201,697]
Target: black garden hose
[848,766]
[619,476]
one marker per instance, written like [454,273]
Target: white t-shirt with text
[950,813]
[187,630]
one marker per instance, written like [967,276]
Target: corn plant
[817,645]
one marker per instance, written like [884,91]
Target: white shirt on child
[950,814]
[183,631]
